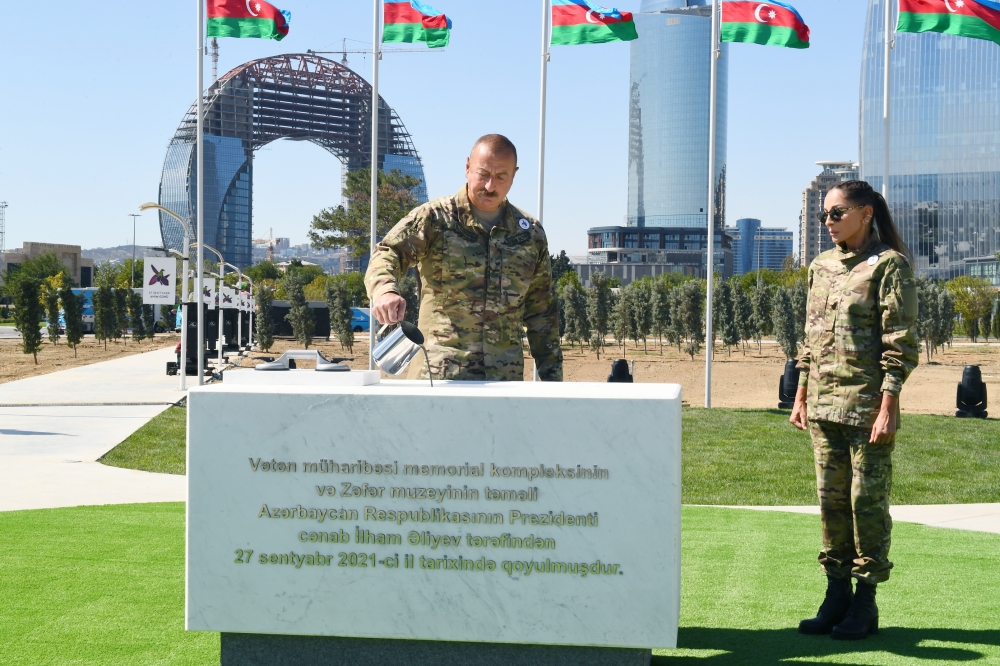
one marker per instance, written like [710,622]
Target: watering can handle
[381,331]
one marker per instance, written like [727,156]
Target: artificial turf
[104,585]
[735,457]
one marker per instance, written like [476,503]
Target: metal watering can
[394,351]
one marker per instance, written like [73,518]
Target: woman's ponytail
[860,193]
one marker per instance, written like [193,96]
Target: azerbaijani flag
[412,21]
[246,18]
[765,23]
[581,22]
[979,19]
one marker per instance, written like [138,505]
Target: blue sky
[92,93]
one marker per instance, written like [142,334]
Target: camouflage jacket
[859,332]
[477,290]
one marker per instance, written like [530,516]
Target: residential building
[79,268]
[944,162]
[814,239]
[754,246]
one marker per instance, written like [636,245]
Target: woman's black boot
[834,608]
[862,618]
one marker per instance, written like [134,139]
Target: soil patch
[14,364]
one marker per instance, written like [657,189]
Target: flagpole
[200,167]
[376,41]
[716,53]
[546,18]
[887,81]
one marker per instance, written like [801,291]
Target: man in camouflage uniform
[859,349]
[484,274]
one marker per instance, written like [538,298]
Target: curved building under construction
[298,97]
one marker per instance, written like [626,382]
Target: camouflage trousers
[853,478]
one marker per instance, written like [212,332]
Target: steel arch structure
[294,96]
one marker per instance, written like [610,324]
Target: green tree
[946,306]
[350,226]
[598,310]
[148,320]
[28,314]
[762,317]
[560,266]
[38,269]
[265,270]
[995,328]
[785,328]
[690,315]
[660,309]
[104,314]
[745,323]
[299,316]
[928,315]
[121,313]
[725,315]
[168,316]
[264,298]
[973,301]
[799,296]
[135,315]
[51,296]
[574,297]
[72,306]
[340,314]
[408,289]
[642,311]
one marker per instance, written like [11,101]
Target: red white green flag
[979,19]
[246,18]
[582,22]
[765,23]
[411,21]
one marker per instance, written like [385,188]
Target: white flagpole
[710,254]
[546,18]
[887,81]
[200,166]
[376,52]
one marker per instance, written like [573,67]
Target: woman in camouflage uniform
[859,350]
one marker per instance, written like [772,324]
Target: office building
[668,116]
[814,239]
[296,97]
[79,268]
[944,176]
[755,246]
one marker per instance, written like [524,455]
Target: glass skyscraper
[669,116]
[944,180]
[754,246]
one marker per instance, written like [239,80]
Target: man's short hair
[498,144]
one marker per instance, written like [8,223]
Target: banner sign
[159,281]
[244,301]
[209,294]
[228,299]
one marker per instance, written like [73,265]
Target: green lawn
[104,585]
[735,457]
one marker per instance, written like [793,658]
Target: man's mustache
[486,193]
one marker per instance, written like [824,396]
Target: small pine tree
[642,311]
[786,329]
[598,310]
[135,316]
[121,313]
[263,324]
[104,315]
[574,299]
[299,316]
[946,308]
[745,324]
[52,309]
[762,316]
[995,328]
[725,315]
[72,306]
[691,315]
[799,297]
[28,315]
[660,310]
[337,301]
[148,320]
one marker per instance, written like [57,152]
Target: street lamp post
[239,313]
[184,289]
[131,277]
[222,276]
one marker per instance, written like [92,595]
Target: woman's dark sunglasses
[836,214]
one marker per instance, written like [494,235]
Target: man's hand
[885,424]
[798,417]
[389,308]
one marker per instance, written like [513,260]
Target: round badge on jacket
[872,260]
[524,223]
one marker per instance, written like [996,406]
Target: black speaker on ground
[788,385]
[619,372]
[971,396]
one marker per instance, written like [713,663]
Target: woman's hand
[885,424]
[798,417]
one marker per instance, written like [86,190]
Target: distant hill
[114,254]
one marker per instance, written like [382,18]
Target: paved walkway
[975,517]
[48,453]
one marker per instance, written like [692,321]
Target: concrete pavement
[975,517]
[48,453]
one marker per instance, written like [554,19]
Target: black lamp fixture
[971,397]
[788,385]
[620,372]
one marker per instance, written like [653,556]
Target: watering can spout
[396,348]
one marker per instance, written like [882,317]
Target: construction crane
[344,51]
